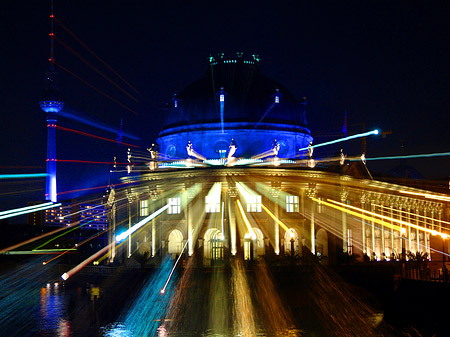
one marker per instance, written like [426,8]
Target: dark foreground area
[246,299]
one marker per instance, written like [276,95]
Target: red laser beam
[91,135]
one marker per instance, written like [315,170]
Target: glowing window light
[144,211]
[141,223]
[212,200]
[291,203]
[174,206]
[222,98]
[212,204]
[277,99]
[254,203]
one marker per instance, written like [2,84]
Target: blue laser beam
[23,176]
[424,155]
[359,135]
[85,121]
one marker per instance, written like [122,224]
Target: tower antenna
[52,40]
[51,104]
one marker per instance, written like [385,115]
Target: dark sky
[386,62]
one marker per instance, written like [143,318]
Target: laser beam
[17,212]
[359,135]
[141,223]
[23,176]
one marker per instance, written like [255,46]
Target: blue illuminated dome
[234,102]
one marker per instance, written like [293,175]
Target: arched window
[175,245]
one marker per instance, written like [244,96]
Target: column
[232,218]
[419,249]
[313,239]
[152,209]
[276,231]
[363,224]
[372,209]
[391,229]
[190,226]
[129,226]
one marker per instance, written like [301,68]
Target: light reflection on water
[52,312]
[119,330]
[218,304]
[236,301]
[30,307]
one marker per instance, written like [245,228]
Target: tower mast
[51,104]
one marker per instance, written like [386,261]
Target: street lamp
[444,268]
[403,234]
[292,235]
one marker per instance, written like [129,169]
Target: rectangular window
[174,206]
[254,203]
[291,203]
[212,204]
[144,208]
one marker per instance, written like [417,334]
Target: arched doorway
[256,242]
[322,243]
[259,248]
[289,236]
[212,246]
[175,244]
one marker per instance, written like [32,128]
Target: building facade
[232,177]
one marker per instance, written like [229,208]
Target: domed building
[234,103]
[215,188]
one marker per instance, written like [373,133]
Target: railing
[87,270]
[426,275]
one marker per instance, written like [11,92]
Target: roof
[245,93]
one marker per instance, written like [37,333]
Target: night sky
[386,62]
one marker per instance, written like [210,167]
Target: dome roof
[234,103]
[248,96]
[406,171]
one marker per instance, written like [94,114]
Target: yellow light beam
[278,221]
[416,215]
[433,232]
[427,195]
[247,223]
[368,218]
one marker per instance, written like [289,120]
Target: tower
[51,103]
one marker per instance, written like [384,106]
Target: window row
[212,205]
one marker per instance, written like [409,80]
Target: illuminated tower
[51,103]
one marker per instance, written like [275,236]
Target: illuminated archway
[257,242]
[322,243]
[212,246]
[258,248]
[175,242]
[288,236]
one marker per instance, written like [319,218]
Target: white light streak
[141,223]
